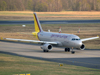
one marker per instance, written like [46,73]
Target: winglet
[1,38]
[97,36]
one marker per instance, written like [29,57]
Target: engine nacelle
[46,47]
[82,47]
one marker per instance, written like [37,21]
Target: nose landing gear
[72,51]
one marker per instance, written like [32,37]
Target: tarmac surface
[51,22]
[86,58]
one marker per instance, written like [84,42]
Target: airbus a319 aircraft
[49,39]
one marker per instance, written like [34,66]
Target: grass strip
[10,64]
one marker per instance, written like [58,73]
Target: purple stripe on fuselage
[58,36]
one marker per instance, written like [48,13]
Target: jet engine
[82,47]
[46,47]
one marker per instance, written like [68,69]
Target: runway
[51,22]
[85,58]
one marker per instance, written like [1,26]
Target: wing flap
[86,39]
[30,41]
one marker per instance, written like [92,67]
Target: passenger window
[73,39]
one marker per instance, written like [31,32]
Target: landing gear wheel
[72,52]
[67,49]
[45,50]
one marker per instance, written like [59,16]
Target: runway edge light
[28,74]
[60,64]
[23,74]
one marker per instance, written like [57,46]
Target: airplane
[48,40]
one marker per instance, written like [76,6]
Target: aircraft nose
[79,43]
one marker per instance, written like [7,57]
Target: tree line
[50,5]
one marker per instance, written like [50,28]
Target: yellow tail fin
[37,25]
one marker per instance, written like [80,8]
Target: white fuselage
[63,40]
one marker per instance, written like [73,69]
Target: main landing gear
[68,50]
[45,51]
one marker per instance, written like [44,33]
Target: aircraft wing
[30,41]
[86,39]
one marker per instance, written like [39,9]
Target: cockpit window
[75,39]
